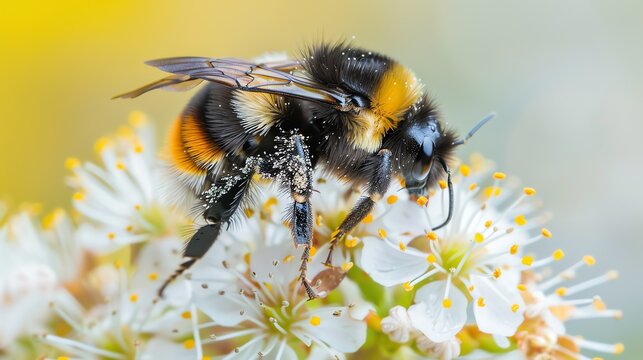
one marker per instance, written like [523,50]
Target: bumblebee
[359,115]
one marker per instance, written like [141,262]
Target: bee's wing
[275,77]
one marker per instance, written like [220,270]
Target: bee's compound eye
[433,128]
[359,101]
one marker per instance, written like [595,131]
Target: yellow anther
[488,223]
[422,200]
[319,220]
[206,358]
[49,221]
[382,233]
[368,219]
[248,212]
[529,191]
[111,236]
[391,199]
[78,196]
[499,175]
[471,288]
[473,186]
[478,237]
[347,266]
[268,285]
[407,286]
[443,184]
[315,321]
[133,298]
[431,258]
[599,305]
[313,251]
[102,144]
[495,190]
[72,163]
[402,246]
[186,315]
[129,228]
[137,207]
[465,170]
[619,348]
[246,258]
[351,242]
[497,273]
[153,276]
[269,203]
[481,302]
[589,260]
[527,260]
[515,307]
[612,274]
[561,291]
[288,258]
[513,249]
[62,358]
[545,232]
[520,220]
[137,118]
[559,254]
[402,183]
[522,287]
[446,303]
[432,235]
[188,344]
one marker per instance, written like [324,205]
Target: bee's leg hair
[378,182]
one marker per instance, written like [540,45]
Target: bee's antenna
[450,184]
[475,128]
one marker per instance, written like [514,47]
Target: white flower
[122,199]
[549,307]
[35,263]
[264,311]
[397,325]
[132,323]
[474,259]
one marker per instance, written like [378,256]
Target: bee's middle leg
[378,183]
[299,172]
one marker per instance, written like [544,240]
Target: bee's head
[427,145]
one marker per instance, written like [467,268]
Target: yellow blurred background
[565,78]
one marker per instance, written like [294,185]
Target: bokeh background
[565,77]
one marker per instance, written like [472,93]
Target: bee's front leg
[379,181]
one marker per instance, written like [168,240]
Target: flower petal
[335,328]
[503,310]
[388,265]
[430,316]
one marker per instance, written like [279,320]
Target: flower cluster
[84,285]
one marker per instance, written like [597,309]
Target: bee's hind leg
[222,200]
[379,180]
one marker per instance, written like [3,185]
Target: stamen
[418,279]
[277,326]
[617,348]
[611,275]
[57,340]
